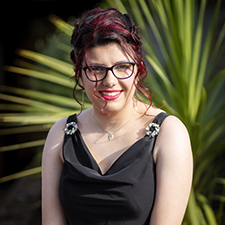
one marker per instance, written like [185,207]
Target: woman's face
[117,92]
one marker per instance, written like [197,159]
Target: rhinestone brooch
[152,130]
[71,128]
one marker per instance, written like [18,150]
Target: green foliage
[27,110]
[182,54]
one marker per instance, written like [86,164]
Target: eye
[123,67]
[96,69]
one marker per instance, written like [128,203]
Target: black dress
[124,195]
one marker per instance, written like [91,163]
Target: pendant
[110,136]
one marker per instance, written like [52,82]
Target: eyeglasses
[122,70]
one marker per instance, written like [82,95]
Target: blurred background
[36,91]
[26,25]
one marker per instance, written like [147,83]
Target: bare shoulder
[174,125]
[173,138]
[59,126]
[57,130]
[55,137]
[173,128]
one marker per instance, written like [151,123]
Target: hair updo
[100,27]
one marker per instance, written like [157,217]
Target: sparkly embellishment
[71,128]
[110,136]
[152,130]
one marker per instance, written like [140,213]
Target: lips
[110,94]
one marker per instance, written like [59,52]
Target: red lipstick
[110,94]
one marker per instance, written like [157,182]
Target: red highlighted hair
[100,27]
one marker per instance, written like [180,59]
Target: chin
[109,108]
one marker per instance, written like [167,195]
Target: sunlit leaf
[22,145]
[62,25]
[40,75]
[60,66]
[25,173]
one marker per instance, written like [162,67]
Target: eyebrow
[99,64]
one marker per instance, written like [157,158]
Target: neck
[113,121]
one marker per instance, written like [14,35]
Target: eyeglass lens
[121,71]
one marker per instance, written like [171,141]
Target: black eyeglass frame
[107,69]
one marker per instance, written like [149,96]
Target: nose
[110,80]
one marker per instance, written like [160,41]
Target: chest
[105,151]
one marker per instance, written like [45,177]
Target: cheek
[129,87]
[86,83]
[90,88]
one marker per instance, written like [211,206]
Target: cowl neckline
[128,156]
[119,160]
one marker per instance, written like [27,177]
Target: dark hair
[100,27]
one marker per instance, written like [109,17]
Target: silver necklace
[110,136]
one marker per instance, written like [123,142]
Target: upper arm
[52,212]
[173,173]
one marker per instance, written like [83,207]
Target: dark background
[22,23]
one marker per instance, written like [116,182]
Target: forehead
[107,55]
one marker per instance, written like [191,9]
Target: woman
[121,161]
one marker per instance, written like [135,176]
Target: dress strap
[72,118]
[160,118]
[152,130]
